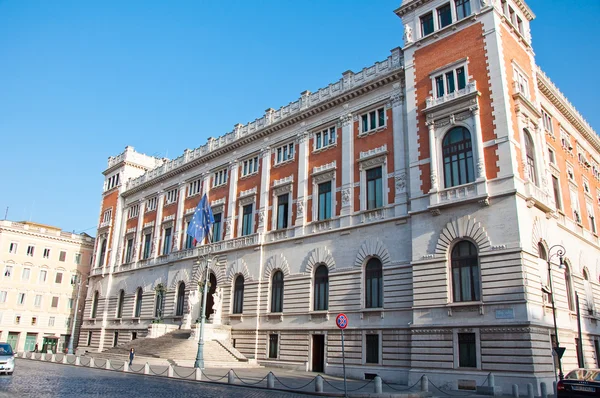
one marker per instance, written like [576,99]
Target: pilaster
[432,156]
[265,183]
[303,151]
[478,142]
[178,233]
[231,206]
[137,251]
[347,186]
[400,161]
[157,225]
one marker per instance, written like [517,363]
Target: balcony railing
[471,87]
[541,199]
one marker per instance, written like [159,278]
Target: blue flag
[202,220]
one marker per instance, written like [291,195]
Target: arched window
[530,154]
[238,295]
[138,303]
[321,292]
[120,304]
[465,272]
[374,284]
[277,292]
[95,304]
[158,307]
[458,157]
[180,299]
[569,287]
[543,261]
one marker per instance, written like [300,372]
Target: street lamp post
[199,363]
[560,252]
[70,349]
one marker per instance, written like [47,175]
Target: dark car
[580,383]
[7,359]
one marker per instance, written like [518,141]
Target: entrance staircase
[178,348]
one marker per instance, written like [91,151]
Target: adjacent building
[422,196]
[42,267]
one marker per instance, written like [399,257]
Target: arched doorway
[212,287]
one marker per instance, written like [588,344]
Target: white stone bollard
[108,365]
[515,390]
[43,357]
[170,371]
[378,385]
[125,366]
[543,390]
[53,358]
[491,380]
[198,375]
[77,361]
[230,377]
[146,369]
[424,383]
[65,359]
[530,393]
[270,380]
[92,364]
[318,384]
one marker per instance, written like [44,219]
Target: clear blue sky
[80,80]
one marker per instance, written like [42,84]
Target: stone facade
[396,207]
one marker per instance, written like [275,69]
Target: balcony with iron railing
[470,88]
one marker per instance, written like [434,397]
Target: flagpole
[199,363]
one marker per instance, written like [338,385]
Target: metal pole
[580,345]
[199,363]
[344,365]
[70,350]
[560,253]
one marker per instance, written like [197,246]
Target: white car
[7,359]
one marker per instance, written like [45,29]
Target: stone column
[232,203]
[347,185]
[433,156]
[178,237]
[477,140]
[303,151]
[157,225]
[400,172]
[116,255]
[137,251]
[265,185]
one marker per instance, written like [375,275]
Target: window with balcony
[457,154]
[463,8]
[324,201]
[374,188]
[277,292]
[30,250]
[220,177]
[282,211]
[129,250]
[530,156]
[250,166]
[374,284]
[247,218]
[444,15]
[427,24]
[565,140]
[238,295]
[151,204]
[464,265]
[521,81]
[189,240]
[147,245]
[450,81]
[372,120]
[325,138]
[284,153]
[12,247]
[171,196]
[167,241]
[217,230]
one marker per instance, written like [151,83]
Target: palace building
[43,270]
[423,196]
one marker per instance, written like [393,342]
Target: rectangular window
[463,8]
[46,253]
[112,181]
[282,211]
[511,15]
[26,273]
[89,338]
[12,248]
[77,258]
[444,16]
[167,242]
[575,206]
[21,299]
[73,279]
[449,82]
[30,250]
[107,216]
[171,196]
[591,217]
[54,302]
[62,256]
[247,220]
[522,82]
[374,188]
[461,77]
[42,277]
[133,211]
[273,345]
[324,201]
[147,245]
[17,319]
[129,250]
[467,357]
[8,271]
[68,323]
[220,178]
[37,301]
[58,278]
[551,156]
[565,140]
[151,204]
[3,295]
[217,227]
[189,240]
[556,189]
[325,138]
[284,153]
[51,321]
[520,25]
[439,86]
[250,166]
[70,303]
[427,24]
[33,321]
[372,348]
[373,120]
[194,187]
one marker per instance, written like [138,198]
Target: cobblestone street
[39,379]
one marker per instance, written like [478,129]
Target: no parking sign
[342,322]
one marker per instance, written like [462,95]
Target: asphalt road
[42,379]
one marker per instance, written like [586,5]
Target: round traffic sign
[341,321]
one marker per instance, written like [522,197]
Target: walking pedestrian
[36,349]
[131,355]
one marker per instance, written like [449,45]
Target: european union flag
[202,220]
